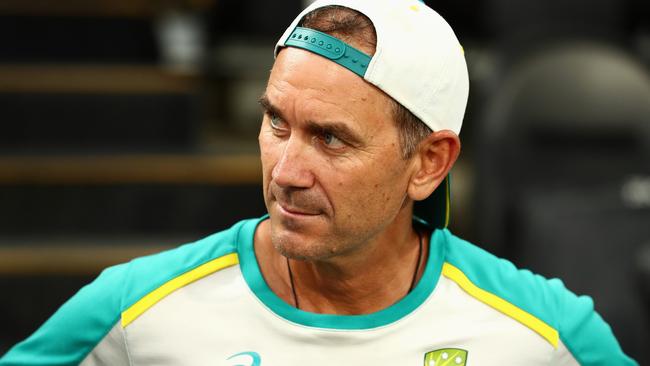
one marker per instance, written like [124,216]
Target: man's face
[333,174]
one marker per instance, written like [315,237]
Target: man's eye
[276,121]
[332,141]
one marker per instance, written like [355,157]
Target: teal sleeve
[82,322]
[77,327]
[584,333]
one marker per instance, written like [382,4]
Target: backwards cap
[418,61]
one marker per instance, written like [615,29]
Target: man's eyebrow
[338,129]
[268,106]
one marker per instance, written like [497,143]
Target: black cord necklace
[413,281]
[293,288]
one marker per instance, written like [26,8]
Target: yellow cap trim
[547,332]
[149,300]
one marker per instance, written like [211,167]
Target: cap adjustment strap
[331,48]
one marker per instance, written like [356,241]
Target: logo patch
[446,357]
[253,358]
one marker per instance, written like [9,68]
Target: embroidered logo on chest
[446,357]
[249,359]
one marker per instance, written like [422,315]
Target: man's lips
[291,210]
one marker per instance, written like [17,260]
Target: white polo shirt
[206,303]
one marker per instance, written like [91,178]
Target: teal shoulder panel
[585,334]
[76,328]
[581,329]
[520,287]
[149,273]
[82,322]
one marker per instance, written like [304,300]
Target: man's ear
[434,158]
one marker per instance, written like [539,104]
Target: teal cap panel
[331,48]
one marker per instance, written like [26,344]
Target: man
[360,120]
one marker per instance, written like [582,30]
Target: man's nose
[293,167]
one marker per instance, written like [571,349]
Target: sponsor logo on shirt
[446,357]
[249,358]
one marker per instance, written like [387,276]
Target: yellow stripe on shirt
[546,331]
[149,300]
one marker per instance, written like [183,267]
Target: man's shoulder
[122,293]
[175,261]
[145,274]
[501,276]
[145,280]
[521,294]
[544,305]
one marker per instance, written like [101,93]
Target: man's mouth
[295,211]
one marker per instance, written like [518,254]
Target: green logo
[446,357]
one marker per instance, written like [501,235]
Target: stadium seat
[563,184]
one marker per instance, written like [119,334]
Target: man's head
[357,30]
[343,159]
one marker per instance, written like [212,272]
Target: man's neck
[368,280]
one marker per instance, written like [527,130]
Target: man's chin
[296,244]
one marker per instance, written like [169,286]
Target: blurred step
[208,169]
[127,194]
[143,209]
[75,255]
[77,78]
[69,107]
[96,8]
[62,39]
[95,122]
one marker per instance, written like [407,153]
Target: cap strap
[331,48]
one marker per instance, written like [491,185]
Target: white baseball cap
[418,61]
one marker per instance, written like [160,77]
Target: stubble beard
[313,247]
[333,242]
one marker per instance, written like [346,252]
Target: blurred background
[129,127]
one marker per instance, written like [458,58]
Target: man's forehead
[311,76]
[292,63]
[306,86]
[428,79]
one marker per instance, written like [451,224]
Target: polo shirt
[207,303]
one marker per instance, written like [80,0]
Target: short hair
[355,28]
